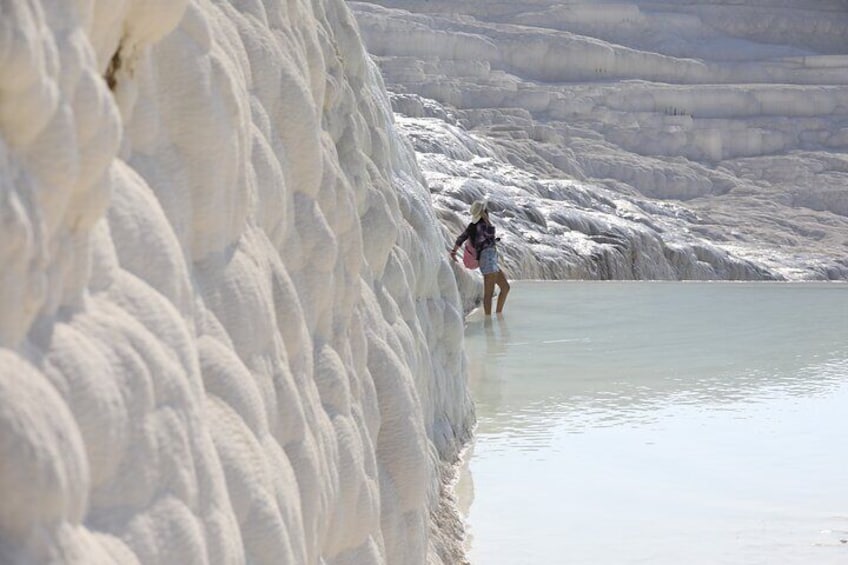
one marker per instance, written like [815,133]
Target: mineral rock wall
[228,332]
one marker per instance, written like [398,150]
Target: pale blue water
[660,423]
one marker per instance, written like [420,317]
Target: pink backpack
[469,255]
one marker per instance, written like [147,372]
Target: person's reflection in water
[496,339]
[504,326]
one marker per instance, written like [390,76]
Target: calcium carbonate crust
[228,333]
[637,139]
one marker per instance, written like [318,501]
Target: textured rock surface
[734,115]
[227,330]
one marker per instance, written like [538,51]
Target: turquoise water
[660,423]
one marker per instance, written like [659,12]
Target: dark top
[482,235]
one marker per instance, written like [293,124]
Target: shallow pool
[660,423]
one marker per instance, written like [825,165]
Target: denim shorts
[489,261]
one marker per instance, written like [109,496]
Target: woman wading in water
[482,234]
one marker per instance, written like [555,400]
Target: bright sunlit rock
[631,140]
[228,333]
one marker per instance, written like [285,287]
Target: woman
[482,234]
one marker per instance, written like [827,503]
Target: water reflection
[656,423]
[602,353]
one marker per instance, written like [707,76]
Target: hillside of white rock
[631,139]
[228,333]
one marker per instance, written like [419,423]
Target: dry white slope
[736,113]
[227,330]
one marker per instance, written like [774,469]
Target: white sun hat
[477,209]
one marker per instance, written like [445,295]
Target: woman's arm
[459,241]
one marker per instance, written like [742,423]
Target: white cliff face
[732,114]
[228,332]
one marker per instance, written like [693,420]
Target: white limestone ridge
[631,139]
[228,329]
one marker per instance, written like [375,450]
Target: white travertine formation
[736,111]
[228,330]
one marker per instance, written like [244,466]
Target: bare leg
[488,292]
[503,285]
